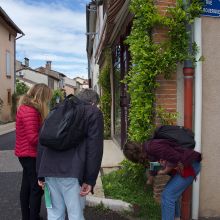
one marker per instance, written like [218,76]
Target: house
[70,86]
[108,25]
[8,35]
[81,82]
[55,79]
[28,75]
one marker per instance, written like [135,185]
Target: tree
[21,88]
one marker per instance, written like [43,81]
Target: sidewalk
[112,156]
[6,128]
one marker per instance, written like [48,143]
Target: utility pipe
[188,72]
[188,103]
[198,112]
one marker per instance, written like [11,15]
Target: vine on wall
[105,100]
[150,59]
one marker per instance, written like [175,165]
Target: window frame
[8,64]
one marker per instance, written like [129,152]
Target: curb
[7,128]
[8,131]
[113,204]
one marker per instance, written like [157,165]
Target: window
[9,96]
[61,83]
[8,64]
[9,37]
[51,83]
[21,74]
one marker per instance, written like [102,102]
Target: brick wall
[158,186]
[166,93]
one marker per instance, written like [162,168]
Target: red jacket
[28,122]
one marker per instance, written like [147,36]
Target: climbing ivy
[165,117]
[149,58]
[105,100]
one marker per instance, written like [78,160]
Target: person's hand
[180,167]
[85,189]
[165,171]
[41,184]
[162,172]
[162,162]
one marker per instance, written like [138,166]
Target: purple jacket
[157,149]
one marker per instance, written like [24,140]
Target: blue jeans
[170,200]
[65,195]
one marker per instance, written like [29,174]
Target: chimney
[48,65]
[26,62]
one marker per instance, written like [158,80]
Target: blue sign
[211,8]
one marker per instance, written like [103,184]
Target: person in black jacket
[71,175]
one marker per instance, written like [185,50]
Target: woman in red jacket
[32,110]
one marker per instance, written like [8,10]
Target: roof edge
[8,20]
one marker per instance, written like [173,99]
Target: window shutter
[8,64]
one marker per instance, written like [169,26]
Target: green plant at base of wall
[151,59]
[1,104]
[14,99]
[105,99]
[128,184]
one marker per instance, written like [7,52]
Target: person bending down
[182,164]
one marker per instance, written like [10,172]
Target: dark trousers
[31,193]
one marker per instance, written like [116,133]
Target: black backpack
[64,126]
[178,134]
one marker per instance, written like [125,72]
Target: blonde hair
[38,97]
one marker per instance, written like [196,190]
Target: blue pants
[170,200]
[65,195]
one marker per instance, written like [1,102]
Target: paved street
[10,179]
[7,141]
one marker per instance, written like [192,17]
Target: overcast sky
[54,30]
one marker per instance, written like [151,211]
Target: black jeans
[31,193]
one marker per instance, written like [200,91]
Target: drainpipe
[188,72]
[198,112]
[188,103]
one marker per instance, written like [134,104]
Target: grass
[128,184]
